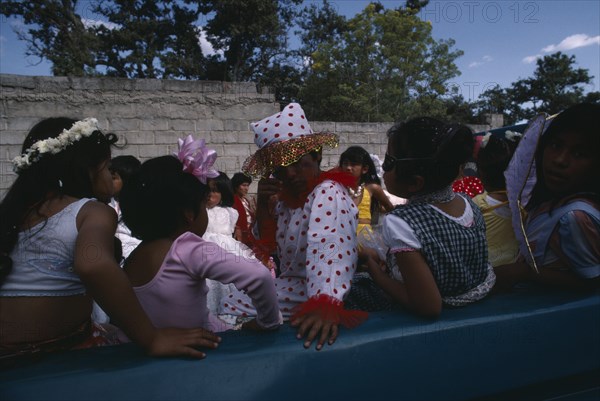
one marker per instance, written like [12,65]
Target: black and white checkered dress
[457,255]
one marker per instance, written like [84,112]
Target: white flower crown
[79,130]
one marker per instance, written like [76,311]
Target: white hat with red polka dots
[282,139]
[288,124]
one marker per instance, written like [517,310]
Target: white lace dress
[221,225]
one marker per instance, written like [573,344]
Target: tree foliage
[317,25]
[56,33]
[149,39]
[556,84]
[384,66]
[381,65]
[252,35]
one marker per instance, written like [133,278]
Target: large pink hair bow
[196,158]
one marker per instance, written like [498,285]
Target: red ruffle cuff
[331,309]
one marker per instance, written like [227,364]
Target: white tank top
[43,258]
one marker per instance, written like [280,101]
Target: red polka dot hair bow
[471,186]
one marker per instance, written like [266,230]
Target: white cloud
[17,24]
[91,23]
[18,27]
[569,43]
[531,59]
[205,45]
[485,59]
[207,48]
[573,42]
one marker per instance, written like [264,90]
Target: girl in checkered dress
[437,245]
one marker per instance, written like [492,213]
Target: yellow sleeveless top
[503,246]
[364,210]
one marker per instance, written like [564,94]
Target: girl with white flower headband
[57,251]
[164,205]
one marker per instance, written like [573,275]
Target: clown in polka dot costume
[315,232]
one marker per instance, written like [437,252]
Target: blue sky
[500,39]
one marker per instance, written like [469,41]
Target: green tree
[555,85]
[284,81]
[493,100]
[56,33]
[385,66]
[317,25]
[251,35]
[149,39]
[497,100]
[459,110]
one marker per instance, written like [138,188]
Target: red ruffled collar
[337,175]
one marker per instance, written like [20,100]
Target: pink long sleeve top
[176,296]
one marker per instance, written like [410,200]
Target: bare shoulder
[374,188]
[96,213]
[378,193]
[145,261]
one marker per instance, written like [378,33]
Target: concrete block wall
[149,116]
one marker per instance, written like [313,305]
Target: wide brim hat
[282,139]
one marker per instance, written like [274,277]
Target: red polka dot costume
[316,238]
[317,250]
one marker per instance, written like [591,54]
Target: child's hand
[174,342]
[366,253]
[507,276]
[375,266]
[311,325]
[369,260]
[267,187]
